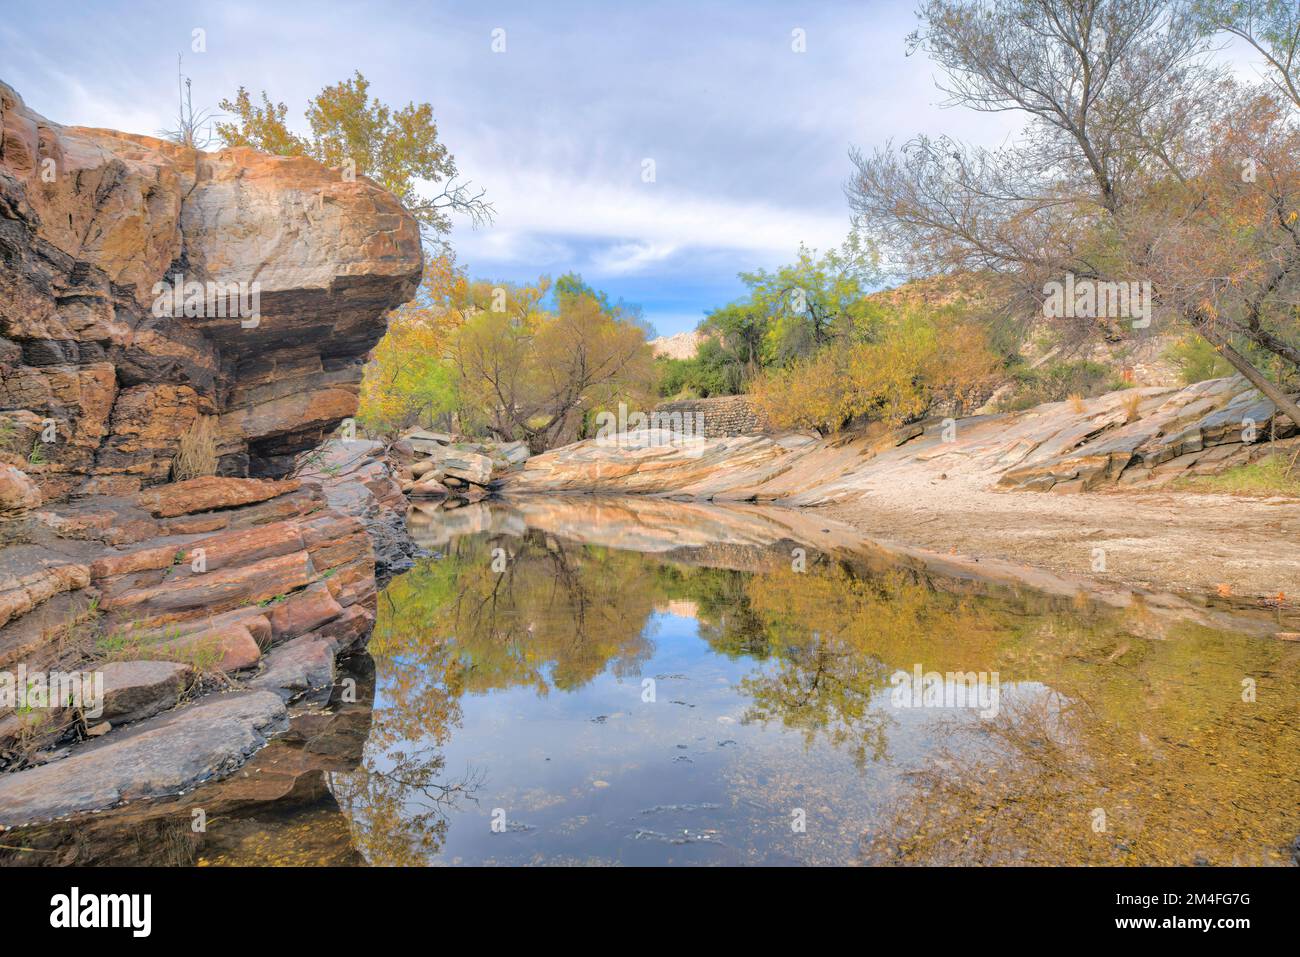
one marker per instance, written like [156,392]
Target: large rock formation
[257,577]
[96,225]
[1137,437]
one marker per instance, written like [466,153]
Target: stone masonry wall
[724,415]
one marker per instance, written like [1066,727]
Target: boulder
[225,648]
[18,493]
[157,757]
[429,488]
[300,666]
[512,453]
[467,466]
[140,689]
[295,268]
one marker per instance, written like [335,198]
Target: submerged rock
[160,756]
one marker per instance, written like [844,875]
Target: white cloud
[644,224]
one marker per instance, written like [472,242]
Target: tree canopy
[1140,162]
[397,148]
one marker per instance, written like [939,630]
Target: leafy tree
[1131,168]
[532,373]
[1196,359]
[397,148]
[409,380]
[914,361]
[733,351]
[804,305]
[711,371]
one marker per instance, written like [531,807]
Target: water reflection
[518,655]
[635,681]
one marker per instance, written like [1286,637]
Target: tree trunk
[1256,378]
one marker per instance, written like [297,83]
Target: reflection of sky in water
[598,774]
[1136,713]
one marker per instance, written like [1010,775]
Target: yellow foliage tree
[915,361]
[409,380]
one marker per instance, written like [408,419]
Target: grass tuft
[1268,476]
[197,453]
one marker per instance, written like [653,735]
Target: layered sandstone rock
[95,387]
[258,577]
[1137,437]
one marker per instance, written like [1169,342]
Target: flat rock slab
[211,492]
[134,690]
[161,756]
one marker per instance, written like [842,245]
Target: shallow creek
[569,680]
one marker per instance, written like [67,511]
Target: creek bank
[1082,489]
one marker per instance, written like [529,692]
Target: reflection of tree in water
[1152,731]
[829,633]
[557,615]
[396,800]
[1140,752]
[823,690]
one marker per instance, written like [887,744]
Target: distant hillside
[1138,359]
[960,289]
[681,346]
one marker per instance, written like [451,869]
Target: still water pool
[619,681]
[578,680]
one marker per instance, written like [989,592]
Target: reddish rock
[137,689]
[302,611]
[18,493]
[349,630]
[259,626]
[212,593]
[21,593]
[210,492]
[226,648]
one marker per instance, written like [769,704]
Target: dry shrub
[1130,405]
[197,453]
[1076,403]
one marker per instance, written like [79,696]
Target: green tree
[806,304]
[397,148]
[532,373]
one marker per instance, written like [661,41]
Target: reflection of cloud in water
[535,676]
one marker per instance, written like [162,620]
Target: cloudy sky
[748,137]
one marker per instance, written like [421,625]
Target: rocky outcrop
[435,465]
[252,581]
[1138,438]
[101,373]
[160,757]
[253,817]
[1199,430]
[358,480]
